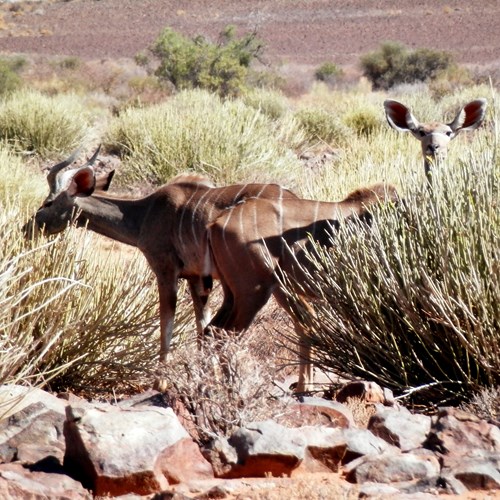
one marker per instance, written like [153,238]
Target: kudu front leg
[200,289]
[168,299]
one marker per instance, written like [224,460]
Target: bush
[322,126]
[329,73]
[35,123]
[197,131]
[9,78]
[393,64]
[412,303]
[364,122]
[197,63]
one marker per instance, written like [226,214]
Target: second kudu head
[434,137]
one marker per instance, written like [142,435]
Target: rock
[370,392]
[362,442]
[13,398]
[392,467]
[116,452]
[183,461]
[475,473]
[18,482]
[266,448]
[33,434]
[399,427]
[317,411]
[456,434]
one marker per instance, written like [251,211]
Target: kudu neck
[118,219]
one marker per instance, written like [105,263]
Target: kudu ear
[470,116]
[82,183]
[399,116]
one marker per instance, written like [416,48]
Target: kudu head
[65,186]
[434,137]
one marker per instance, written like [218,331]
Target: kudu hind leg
[306,371]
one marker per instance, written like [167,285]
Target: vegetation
[197,131]
[394,64]
[9,74]
[34,123]
[329,73]
[411,304]
[198,63]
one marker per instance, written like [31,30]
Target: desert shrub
[329,73]
[197,131]
[36,123]
[322,126]
[9,77]
[412,303]
[485,404]
[364,122]
[225,385]
[197,63]
[393,64]
[269,102]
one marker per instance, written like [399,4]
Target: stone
[266,448]
[370,392]
[399,427]
[18,482]
[115,451]
[392,467]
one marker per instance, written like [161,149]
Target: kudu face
[65,186]
[434,137]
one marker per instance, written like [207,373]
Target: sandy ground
[296,32]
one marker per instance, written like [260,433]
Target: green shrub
[322,126]
[269,102]
[36,123]
[329,73]
[364,122]
[9,77]
[393,64]
[197,63]
[198,131]
[412,303]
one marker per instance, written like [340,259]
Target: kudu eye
[422,133]
[449,133]
[48,204]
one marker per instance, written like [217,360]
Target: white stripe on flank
[181,220]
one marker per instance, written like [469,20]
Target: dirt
[297,33]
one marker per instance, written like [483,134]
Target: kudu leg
[306,372]
[202,313]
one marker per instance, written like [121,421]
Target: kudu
[434,137]
[168,226]
[251,244]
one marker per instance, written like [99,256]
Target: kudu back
[258,239]
[167,226]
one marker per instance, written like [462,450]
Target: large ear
[470,116]
[102,182]
[82,182]
[399,116]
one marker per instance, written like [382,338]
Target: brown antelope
[253,242]
[168,226]
[434,137]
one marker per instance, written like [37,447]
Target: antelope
[167,226]
[251,244]
[434,137]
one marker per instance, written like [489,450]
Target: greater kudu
[253,243]
[168,226]
[434,137]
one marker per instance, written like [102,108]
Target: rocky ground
[299,34]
